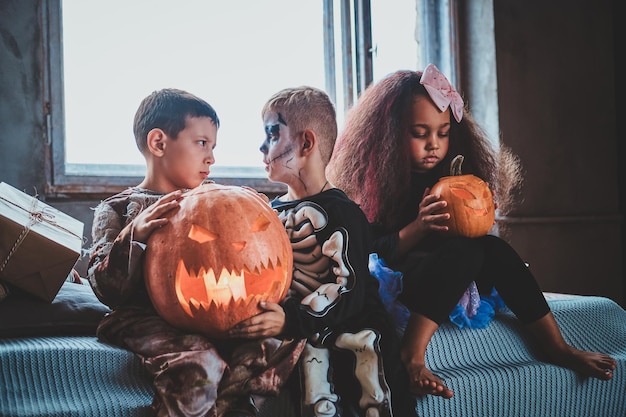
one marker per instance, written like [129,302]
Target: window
[105,57]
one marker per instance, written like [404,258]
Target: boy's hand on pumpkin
[269,322]
[152,217]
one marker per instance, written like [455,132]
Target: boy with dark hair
[176,133]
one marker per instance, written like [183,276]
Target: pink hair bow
[441,91]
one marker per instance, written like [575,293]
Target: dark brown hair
[168,109]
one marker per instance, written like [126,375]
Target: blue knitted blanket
[495,371]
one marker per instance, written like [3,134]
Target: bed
[53,365]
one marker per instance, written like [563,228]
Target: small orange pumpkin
[470,202]
[221,252]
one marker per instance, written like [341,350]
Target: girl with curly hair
[397,142]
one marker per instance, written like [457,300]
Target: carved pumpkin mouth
[201,293]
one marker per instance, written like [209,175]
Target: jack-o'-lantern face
[220,254]
[470,204]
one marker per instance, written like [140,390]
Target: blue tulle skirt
[472,311]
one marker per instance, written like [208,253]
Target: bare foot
[590,364]
[423,382]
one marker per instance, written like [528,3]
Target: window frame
[96,179]
[65,179]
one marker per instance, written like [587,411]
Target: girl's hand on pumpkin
[429,217]
[152,217]
[269,322]
[427,220]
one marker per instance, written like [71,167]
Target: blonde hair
[304,108]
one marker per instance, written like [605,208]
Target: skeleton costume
[352,352]
[186,367]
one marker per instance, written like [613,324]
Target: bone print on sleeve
[329,237]
[327,295]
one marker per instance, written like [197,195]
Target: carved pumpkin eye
[200,234]
[462,193]
[261,223]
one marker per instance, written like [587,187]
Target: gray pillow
[74,311]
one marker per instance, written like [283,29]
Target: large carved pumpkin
[470,202]
[221,252]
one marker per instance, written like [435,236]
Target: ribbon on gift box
[35,216]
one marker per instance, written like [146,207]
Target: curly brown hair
[371,159]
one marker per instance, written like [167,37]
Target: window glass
[234,54]
[394,37]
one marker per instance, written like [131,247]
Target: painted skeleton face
[278,149]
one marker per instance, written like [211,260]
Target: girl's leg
[431,290]
[590,364]
[505,270]
[418,333]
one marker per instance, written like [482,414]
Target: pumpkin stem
[455,165]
